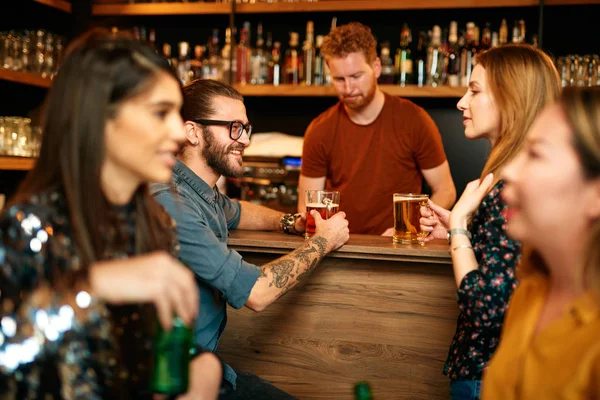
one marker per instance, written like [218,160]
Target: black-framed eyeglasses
[236,128]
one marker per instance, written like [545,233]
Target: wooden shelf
[161,9]
[16,163]
[58,4]
[104,7]
[372,5]
[25,78]
[570,2]
[329,91]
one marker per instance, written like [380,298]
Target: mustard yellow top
[560,362]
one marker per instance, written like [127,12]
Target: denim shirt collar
[195,182]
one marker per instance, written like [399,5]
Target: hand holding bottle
[156,277]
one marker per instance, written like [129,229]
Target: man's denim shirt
[204,217]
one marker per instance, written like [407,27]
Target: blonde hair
[582,110]
[523,80]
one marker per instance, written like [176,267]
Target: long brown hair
[582,110]
[522,80]
[99,72]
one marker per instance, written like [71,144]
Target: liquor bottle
[362,391]
[183,63]
[387,65]
[319,71]
[275,65]
[403,62]
[486,39]
[435,58]
[292,61]
[467,56]
[258,60]
[152,38]
[308,61]
[516,33]
[226,61]
[476,42]
[196,63]
[171,359]
[495,40]
[420,58]
[242,59]
[503,33]
[453,68]
[143,34]
[166,48]
[214,58]
[522,32]
[269,57]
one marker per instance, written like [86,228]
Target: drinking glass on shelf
[2,137]
[18,137]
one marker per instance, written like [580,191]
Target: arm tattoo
[282,272]
[321,243]
[303,254]
[298,264]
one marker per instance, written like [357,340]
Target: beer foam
[404,198]
[321,205]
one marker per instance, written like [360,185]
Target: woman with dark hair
[87,257]
[550,345]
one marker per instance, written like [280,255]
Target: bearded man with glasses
[218,131]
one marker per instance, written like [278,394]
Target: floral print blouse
[56,340]
[484,293]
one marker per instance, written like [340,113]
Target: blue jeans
[251,387]
[465,390]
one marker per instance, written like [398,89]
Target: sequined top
[484,293]
[57,341]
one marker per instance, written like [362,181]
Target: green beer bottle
[171,359]
[362,391]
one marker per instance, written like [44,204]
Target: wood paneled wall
[386,322]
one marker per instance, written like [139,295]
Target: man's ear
[192,133]
[377,67]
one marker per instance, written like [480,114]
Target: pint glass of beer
[407,212]
[325,202]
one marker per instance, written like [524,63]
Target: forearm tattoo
[287,271]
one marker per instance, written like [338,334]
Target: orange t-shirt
[369,163]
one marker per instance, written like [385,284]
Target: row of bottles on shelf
[579,70]
[440,56]
[34,51]
[19,138]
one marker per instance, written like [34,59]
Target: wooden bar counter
[372,310]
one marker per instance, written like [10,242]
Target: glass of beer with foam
[327,203]
[407,212]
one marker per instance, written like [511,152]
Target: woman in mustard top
[550,345]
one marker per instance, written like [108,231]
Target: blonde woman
[509,86]
[550,347]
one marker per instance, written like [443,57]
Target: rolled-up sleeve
[208,257]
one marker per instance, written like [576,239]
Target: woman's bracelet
[462,246]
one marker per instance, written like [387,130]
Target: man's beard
[218,157]
[366,99]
